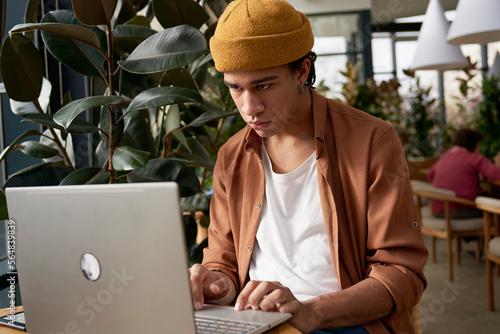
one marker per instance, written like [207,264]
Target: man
[312,211]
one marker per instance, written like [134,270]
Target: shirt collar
[253,142]
[457,148]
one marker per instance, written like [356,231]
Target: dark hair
[295,66]
[467,138]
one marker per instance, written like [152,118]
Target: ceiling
[383,11]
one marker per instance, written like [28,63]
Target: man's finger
[196,280]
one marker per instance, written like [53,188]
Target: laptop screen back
[102,258]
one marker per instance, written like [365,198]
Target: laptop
[109,259]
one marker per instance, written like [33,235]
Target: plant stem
[167,144]
[112,112]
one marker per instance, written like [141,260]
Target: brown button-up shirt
[366,199]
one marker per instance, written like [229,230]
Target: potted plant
[488,116]
[160,114]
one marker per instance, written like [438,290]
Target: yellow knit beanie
[254,34]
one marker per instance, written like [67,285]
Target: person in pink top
[459,170]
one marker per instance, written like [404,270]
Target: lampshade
[476,21]
[494,70]
[433,52]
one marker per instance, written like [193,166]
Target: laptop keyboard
[210,325]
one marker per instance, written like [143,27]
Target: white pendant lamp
[433,52]
[476,22]
[494,70]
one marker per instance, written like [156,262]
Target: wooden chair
[445,228]
[415,318]
[491,211]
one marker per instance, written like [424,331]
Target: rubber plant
[151,121]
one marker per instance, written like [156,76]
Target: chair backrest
[421,187]
[491,208]
[489,204]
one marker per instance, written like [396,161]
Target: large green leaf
[32,10]
[196,156]
[45,174]
[168,49]
[26,108]
[94,12]
[173,119]
[73,31]
[171,13]
[79,56]
[22,68]
[209,116]
[38,150]
[69,112]
[179,77]
[4,215]
[87,175]
[139,20]
[163,96]
[13,145]
[127,158]
[179,136]
[173,124]
[31,16]
[131,84]
[198,202]
[78,126]
[129,36]
[130,8]
[138,132]
[200,75]
[159,170]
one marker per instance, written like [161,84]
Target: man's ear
[303,72]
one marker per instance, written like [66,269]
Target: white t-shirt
[291,245]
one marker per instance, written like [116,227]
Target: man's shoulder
[349,122]
[341,112]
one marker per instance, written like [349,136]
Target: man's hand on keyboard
[207,285]
[272,296]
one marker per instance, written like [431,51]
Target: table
[8,330]
[493,187]
[282,329]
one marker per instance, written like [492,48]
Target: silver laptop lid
[126,237]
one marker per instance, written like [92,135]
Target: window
[339,38]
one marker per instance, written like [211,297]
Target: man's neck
[289,148]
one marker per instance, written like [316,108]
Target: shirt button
[249,248]
[414,224]
[258,205]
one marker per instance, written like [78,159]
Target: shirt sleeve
[220,255]
[396,252]
[487,168]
